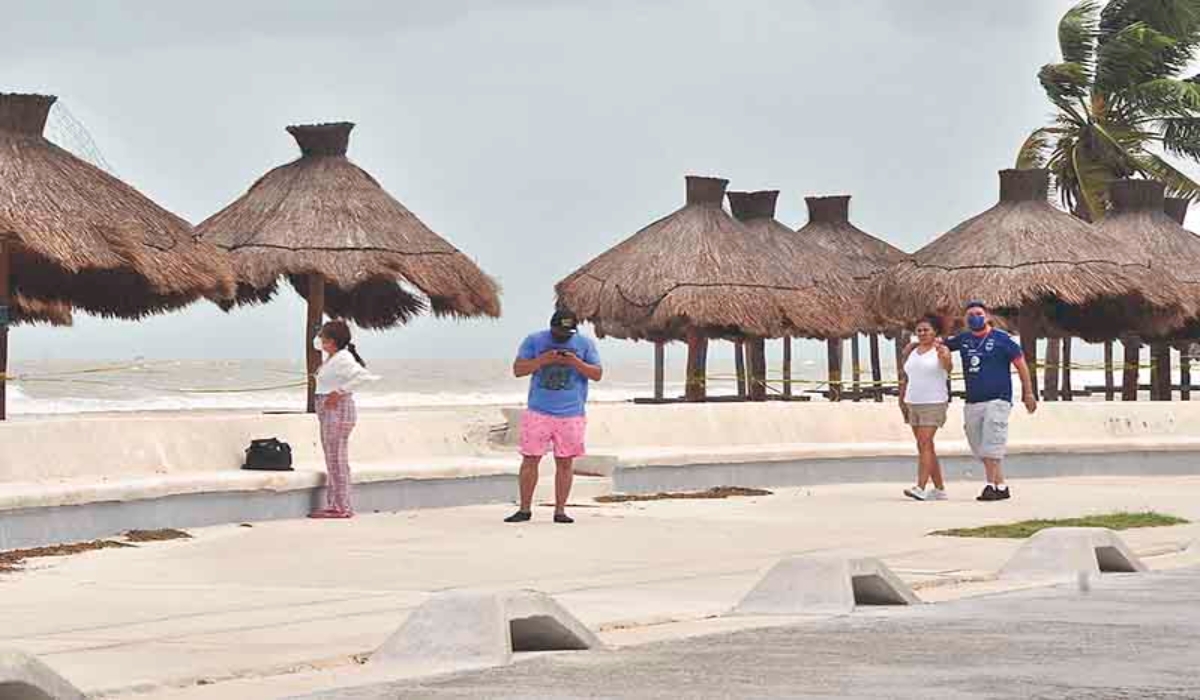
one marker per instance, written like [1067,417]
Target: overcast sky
[533,134]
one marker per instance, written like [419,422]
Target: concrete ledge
[948,447]
[866,469]
[1068,551]
[35,527]
[23,677]
[80,491]
[829,585]
[484,628]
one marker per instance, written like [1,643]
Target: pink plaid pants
[337,422]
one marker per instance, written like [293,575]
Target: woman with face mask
[924,397]
[342,371]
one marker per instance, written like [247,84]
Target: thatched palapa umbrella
[1138,215]
[1177,209]
[73,236]
[1046,270]
[813,266]
[697,274]
[346,245]
[829,227]
[862,256]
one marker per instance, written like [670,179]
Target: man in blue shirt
[560,363]
[987,353]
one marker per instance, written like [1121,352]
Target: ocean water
[63,387]
[66,387]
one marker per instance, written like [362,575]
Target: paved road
[1128,637]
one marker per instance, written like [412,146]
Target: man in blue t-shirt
[561,363]
[987,354]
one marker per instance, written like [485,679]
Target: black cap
[564,321]
[976,304]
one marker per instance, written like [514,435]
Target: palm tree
[1121,104]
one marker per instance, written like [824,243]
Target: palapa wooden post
[787,367]
[659,367]
[900,343]
[739,366]
[876,369]
[855,369]
[1165,369]
[1154,378]
[1110,389]
[1050,372]
[1029,348]
[1160,371]
[1129,371]
[312,325]
[1067,389]
[5,320]
[834,347]
[1185,372]
[695,386]
[756,351]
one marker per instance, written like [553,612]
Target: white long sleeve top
[341,374]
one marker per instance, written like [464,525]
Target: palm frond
[1033,153]
[1064,82]
[1133,56]
[1176,19]
[1180,136]
[1077,32]
[1178,183]
[1092,177]
[1164,97]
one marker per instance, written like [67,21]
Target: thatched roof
[829,227]
[1025,256]
[699,269]
[32,312]
[322,214]
[1142,215]
[1139,218]
[832,289]
[1176,208]
[82,237]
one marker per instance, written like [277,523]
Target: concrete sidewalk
[282,608]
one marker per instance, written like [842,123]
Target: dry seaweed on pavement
[14,560]
[716,492]
[160,535]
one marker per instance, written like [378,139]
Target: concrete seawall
[64,479]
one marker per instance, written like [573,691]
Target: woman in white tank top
[924,396]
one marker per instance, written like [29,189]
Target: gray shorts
[986,426]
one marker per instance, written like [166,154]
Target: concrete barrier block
[484,629]
[1067,551]
[812,584]
[875,584]
[22,677]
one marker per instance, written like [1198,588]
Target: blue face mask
[976,322]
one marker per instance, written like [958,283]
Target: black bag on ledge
[269,455]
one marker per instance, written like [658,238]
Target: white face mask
[317,343]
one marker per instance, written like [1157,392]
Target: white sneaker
[917,493]
[935,494]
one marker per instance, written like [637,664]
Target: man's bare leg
[564,476]
[528,480]
[994,471]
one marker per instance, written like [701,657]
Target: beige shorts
[926,415]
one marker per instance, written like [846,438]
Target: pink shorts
[539,431]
